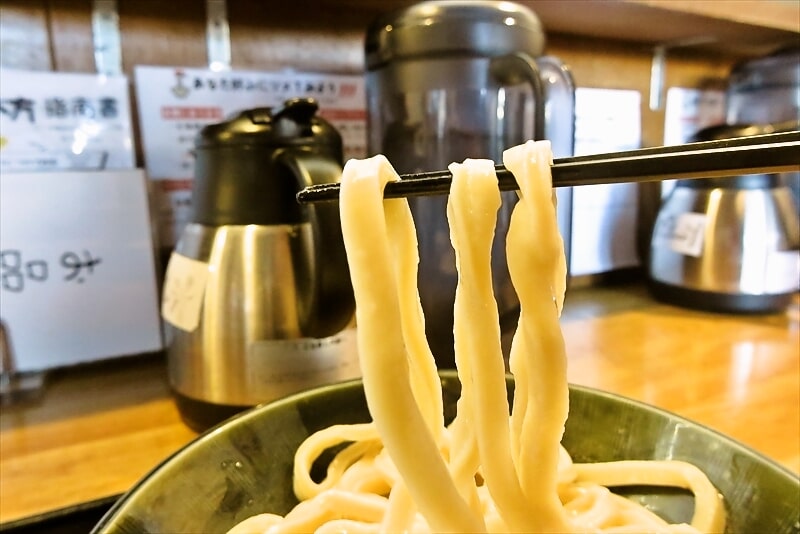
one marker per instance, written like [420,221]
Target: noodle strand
[402,427]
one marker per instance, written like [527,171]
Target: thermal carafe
[257,296]
[449,80]
[728,244]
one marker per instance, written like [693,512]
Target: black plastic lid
[745,181]
[295,123]
[241,175]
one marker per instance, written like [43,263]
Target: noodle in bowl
[244,466]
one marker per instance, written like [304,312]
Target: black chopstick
[757,154]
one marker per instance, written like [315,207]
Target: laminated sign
[175,103]
[55,121]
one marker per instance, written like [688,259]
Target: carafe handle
[518,68]
[558,87]
[553,94]
[332,304]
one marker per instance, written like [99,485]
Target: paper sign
[782,271]
[55,121]
[688,234]
[77,268]
[184,288]
[683,233]
[176,103]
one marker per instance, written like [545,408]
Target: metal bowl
[244,466]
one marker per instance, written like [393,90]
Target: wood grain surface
[737,374]
[97,430]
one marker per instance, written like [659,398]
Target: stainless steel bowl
[244,466]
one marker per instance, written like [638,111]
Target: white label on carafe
[282,367]
[782,271]
[683,233]
[184,288]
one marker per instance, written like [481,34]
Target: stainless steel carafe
[728,244]
[268,277]
[449,80]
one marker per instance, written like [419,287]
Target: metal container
[276,296]
[449,80]
[727,244]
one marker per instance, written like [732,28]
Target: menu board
[176,103]
[77,268]
[56,121]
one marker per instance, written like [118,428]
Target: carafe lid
[240,177]
[744,181]
[447,27]
[296,123]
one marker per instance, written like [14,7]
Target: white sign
[77,267]
[176,103]
[55,121]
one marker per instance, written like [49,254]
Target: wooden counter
[96,430]
[737,374]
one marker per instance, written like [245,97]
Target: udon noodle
[492,468]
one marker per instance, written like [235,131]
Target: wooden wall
[314,35]
[321,35]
